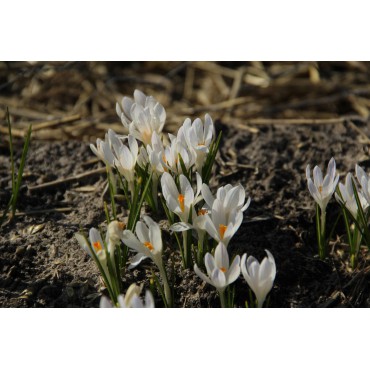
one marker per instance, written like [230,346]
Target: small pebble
[20,250]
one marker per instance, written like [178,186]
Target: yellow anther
[223,269]
[149,245]
[181,199]
[222,228]
[320,189]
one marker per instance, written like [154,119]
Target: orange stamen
[202,212]
[121,225]
[181,199]
[223,269]
[149,245]
[320,189]
[222,229]
[164,159]
[97,246]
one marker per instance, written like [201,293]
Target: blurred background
[76,100]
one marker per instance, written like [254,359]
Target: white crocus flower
[179,202]
[152,155]
[198,137]
[126,161]
[114,236]
[103,151]
[363,179]
[172,152]
[231,197]
[220,273]
[142,116]
[348,196]
[321,188]
[97,247]
[260,277]
[222,225]
[130,300]
[148,244]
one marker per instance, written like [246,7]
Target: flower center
[320,189]
[223,269]
[222,228]
[181,199]
[202,212]
[97,246]
[149,245]
[147,136]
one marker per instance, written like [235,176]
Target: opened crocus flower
[142,116]
[130,300]
[98,251]
[260,277]
[179,202]
[321,188]
[222,225]
[231,197]
[148,244]
[348,198]
[220,273]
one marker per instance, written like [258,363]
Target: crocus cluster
[354,198]
[147,165]
[220,274]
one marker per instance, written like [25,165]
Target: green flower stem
[167,289]
[221,293]
[355,246]
[320,230]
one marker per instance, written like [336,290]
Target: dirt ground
[275,118]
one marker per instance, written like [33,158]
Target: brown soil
[42,265]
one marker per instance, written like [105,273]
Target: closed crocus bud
[260,277]
[115,231]
[363,179]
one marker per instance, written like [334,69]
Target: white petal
[207,195]
[142,232]
[218,278]
[201,275]
[136,260]
[234,271]
[221,256]
[180,226]
[105,302]
[210,263]
[132,242]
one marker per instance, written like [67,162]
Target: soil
[42,265]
